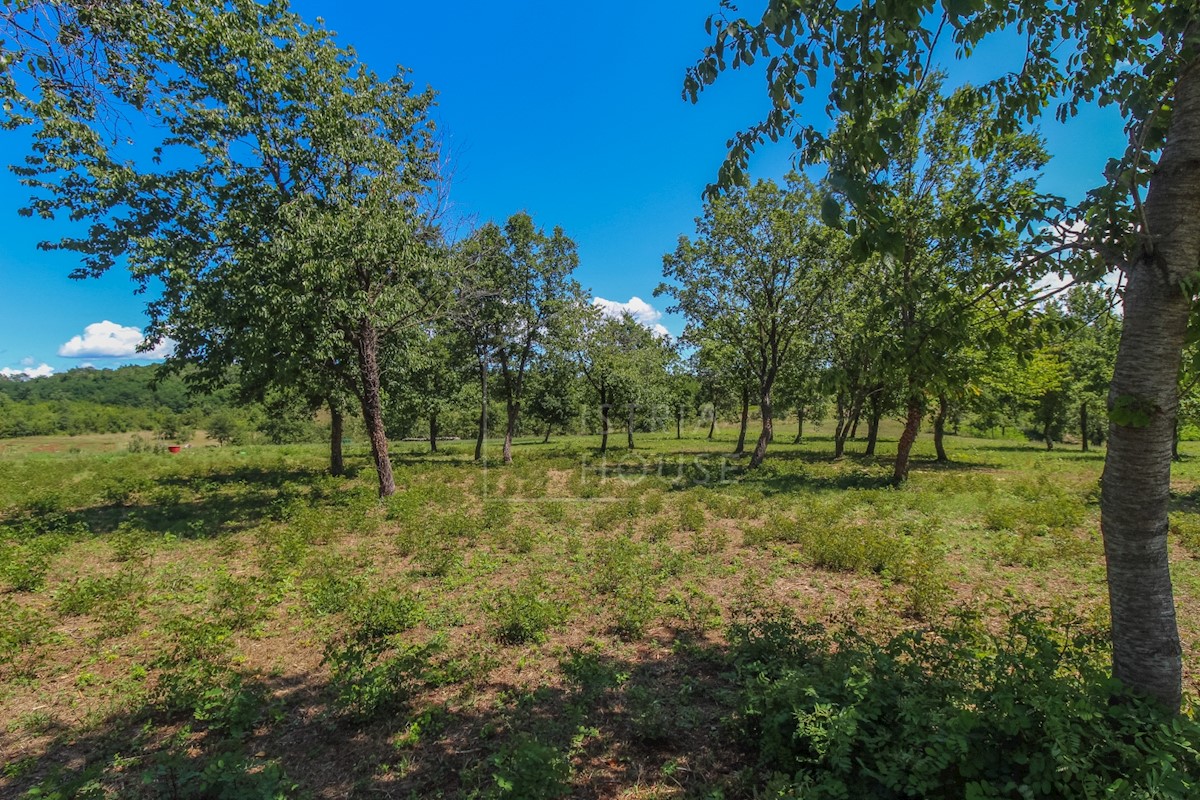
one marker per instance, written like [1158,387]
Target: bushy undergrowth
[953,712]
[163,610]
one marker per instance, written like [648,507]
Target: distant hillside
[88,400]
[125,386]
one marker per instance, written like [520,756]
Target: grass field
[232,622]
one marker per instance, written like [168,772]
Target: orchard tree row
[292,223]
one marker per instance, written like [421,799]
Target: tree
[754,278]
[1094,331]
[683,391]
[727,381]
[942,219]
[223,426]
[625,364]
[431,377]
[1140,57]
[800,388]
[286,215]
[529,274]
[554,388]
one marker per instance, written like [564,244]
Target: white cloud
[28,370]
[1054,282]
[644,313]
[109,340]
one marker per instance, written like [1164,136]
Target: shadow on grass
[677,717]
[198,506]
[603,725]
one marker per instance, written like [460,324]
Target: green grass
[233,622]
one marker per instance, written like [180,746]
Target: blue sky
[571,112]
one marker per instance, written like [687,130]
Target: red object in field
[174,448]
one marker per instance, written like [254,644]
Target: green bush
[1186,530]
[21,629]
[369,677]
[952,712]
[371,670]
[691,518]
[528,769]
[869,547]
[87,595]
[525,614]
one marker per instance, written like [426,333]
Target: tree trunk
[939,429]
[841,429]
[741,443]
[514,411]
[1135,487]
[337,420]
[603,424]
[712,425]
[367,347]
[912,426]
[1047,438]
[873,428]
[483,412]
[799,426]
[1083,426]
[679,424]
[629,425]
[549,428]
[768,430]
[854,424]
[433,432]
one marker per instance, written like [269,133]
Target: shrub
[691,517]
[1186,529]
[86,595]
[371,670]
[21,629]
[953,712]
[525,614]
[530,770]
[370,677]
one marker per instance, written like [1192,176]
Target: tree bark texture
[841,429]
[510,428]
[912,426]
[337,421]
[768,430]
[433,432]
[603,423]
[483,412]
[939,430]
[1135,488]
[873,423]
[367,347]
[1083,426]
[629,425]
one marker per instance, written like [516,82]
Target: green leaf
[831,211]
[1132,412]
